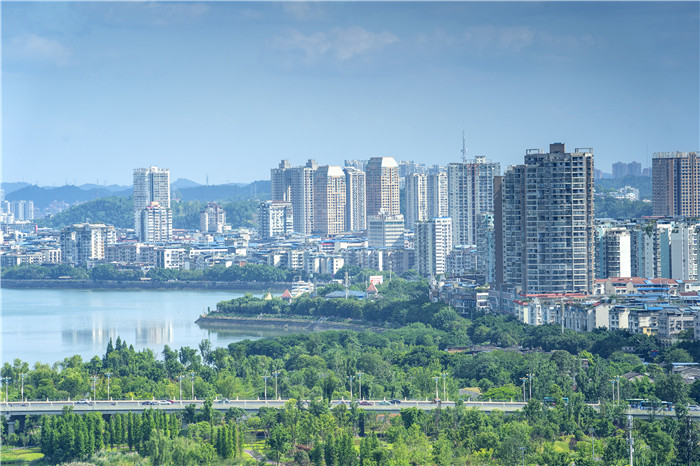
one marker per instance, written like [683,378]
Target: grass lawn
[10,455]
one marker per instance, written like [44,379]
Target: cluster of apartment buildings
[514,237]
[15,211]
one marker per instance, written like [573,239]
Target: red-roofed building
[287,296]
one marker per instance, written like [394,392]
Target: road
[123,406]
[36,408]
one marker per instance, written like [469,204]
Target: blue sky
[225,90]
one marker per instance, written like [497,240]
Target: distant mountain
[10,187]
[117,211]
[42,197]
[225,192]
[182,183]
[112,187]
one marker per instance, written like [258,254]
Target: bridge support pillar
[21,420]
[10,427]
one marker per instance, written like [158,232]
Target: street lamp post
[523,379]
[593,441]
[22,376]
[6,381]
[437,395]
[276,374]
[192,374]
[444,385]
[94,387]
[180,377]
[359,376]
[108,375]
[523,450]
[613,390]
[265,377]
[530,376]
[351,378]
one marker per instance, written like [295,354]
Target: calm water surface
[50,325]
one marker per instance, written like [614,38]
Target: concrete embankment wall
[144,285]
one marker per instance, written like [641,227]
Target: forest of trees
[399,363]
[108,272]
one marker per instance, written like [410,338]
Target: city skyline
[92,90]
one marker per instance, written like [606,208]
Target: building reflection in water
[145,333]
[153,333]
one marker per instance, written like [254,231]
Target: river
[40,325]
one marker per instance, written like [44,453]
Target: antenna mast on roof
[464,149]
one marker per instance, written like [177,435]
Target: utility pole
[631,439]
[359,377]
[530,376]
[523,379]
[108,375]
[437,395]
[276,373]
[593,441]
[192,374]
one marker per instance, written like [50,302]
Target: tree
[442,451]
[278,442]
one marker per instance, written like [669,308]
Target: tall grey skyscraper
[470,193]
[436,188]
[329,200]
[433,244]
[548,222]
[150,185]
[676,184]
[416,199]
[382,175]
[280,182]
[355,199]
[296,185]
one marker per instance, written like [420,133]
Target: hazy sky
[92,90]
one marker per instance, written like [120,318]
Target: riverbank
[143,285]
[309,324]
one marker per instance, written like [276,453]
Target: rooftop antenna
[464,148]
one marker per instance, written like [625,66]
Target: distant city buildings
[329,200]
[385,231]
[382,175]
[676,184]
[84,243]
[470,194]
[621,169]
[152,204]
[296,185]
[433,244]
[416,199]
[212,219]
[355,199]
[275,219]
